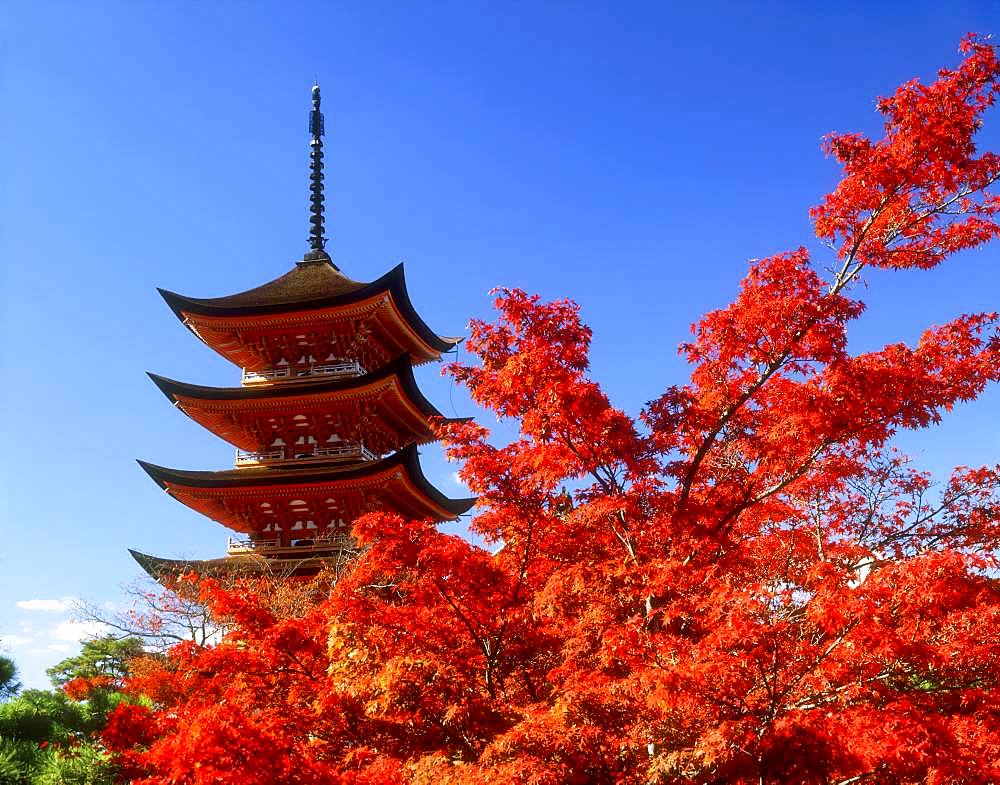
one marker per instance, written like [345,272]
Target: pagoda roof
[404,463]
[400,368]
[309,286]
[225,410]
[160,568]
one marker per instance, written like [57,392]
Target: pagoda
[327,420]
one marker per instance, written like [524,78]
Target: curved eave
[401,368]
[160,568]
[393,282]
[406,458]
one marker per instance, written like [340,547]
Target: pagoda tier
[310,318]
[373,414]
[282,504]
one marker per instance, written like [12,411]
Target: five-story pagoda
[327,420]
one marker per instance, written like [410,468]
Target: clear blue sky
[631,159]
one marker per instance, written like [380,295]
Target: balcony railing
[353,368]
[309,542]
[344,451]
[253,458]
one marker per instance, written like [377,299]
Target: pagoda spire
[317,240]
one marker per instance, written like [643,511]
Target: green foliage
[19,761]
[9,684]
[27,763]
[45,716]
[45,738]
[81,765]
[106,656]
[46,735]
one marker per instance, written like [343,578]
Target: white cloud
[455,478]
[13,641]
[60,647]
[60,605]
[76,631]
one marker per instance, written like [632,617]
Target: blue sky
[633,157]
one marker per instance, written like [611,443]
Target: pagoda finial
[317,240]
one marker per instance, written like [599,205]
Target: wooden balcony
[288,372]
[345,451]
[308,544]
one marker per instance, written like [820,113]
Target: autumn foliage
[746,584]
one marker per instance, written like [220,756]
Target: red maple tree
[747,584]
